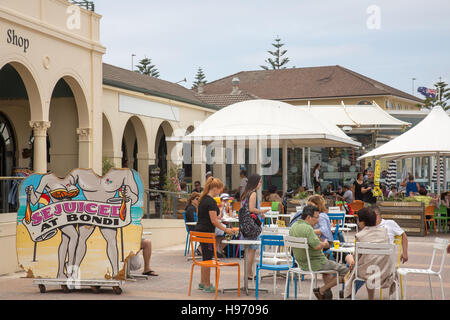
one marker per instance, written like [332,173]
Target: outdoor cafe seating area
[274,259]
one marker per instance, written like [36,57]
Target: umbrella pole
[285,163]
[438,172]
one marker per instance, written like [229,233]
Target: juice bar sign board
[82,226]
[12,37]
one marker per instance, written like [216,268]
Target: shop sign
[17,40]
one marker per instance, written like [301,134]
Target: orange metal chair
[357,205]
[266,204]
[210,238]
[429,217]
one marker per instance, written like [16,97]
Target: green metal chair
[441,216]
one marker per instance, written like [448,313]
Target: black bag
[248,226]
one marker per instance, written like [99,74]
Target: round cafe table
[346,247]
[244,243]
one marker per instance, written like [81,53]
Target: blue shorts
[253,246]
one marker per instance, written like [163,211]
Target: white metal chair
[440,245]
[363,248]
[302,243]
[334,210]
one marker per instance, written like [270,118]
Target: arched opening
[108,156]
[187,157]
[162,151]
[134,147]
[63,115]
[19,103]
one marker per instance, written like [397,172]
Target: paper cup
[336,244]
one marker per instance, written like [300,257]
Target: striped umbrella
[306,177]
[441,173]
[391,177]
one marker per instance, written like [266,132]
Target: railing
[164,204]
[89,5]
[9,194]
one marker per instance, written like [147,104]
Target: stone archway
[135,147]
[21,102]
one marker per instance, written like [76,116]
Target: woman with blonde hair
[208,213]
[323,228]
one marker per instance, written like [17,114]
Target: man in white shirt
[393,229]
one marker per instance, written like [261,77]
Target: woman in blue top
[411,186]
[323,228]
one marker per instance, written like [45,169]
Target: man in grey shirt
[348,194]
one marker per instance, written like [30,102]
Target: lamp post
[132,61]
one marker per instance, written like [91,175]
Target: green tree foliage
[442,97]
[276,61]
[200,78]
[146,67]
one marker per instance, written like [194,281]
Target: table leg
[246,268]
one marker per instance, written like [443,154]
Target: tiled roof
[223,100]
[305,83]
[130,80]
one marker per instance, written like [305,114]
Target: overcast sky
[225,37]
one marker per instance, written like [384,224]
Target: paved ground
[173,280]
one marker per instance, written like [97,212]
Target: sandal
[150,273]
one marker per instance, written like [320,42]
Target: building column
[284,158]
[84,147]
[40,145]
[114,156]
[219,165]
[174,154]
[198,160]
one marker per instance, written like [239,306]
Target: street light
[184,80]
[132,61]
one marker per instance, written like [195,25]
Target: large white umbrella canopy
[428,138]
[273,122]
[254,119]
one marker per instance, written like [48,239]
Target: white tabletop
[243,242]
[230,219]
[191,223]
[350,216]
[147,233]
[345,249]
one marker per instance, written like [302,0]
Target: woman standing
[207,222]
[360,188]
[250,201]
[316,174]
[412,187]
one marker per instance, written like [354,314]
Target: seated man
[393,229]
[303,228]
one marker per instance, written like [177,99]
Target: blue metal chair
[339,217]
[269,240]
[188,237]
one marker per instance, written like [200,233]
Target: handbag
[248,226]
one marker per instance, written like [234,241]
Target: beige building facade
[58,111]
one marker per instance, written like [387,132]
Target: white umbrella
[430,137]
[258,121]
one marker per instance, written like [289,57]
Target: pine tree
[200,78]
[145,67]
[278,61]
[441,98]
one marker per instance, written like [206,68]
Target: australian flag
[429,93]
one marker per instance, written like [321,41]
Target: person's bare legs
[329,282]
[206,277]
[251,258]
[146,246]
[371,293]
